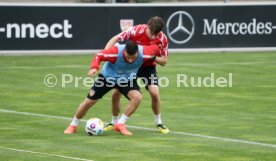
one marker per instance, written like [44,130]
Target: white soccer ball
[94,126]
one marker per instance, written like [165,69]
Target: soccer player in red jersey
[144,34]
[119,71]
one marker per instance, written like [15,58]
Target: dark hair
[155,24]
[131,48]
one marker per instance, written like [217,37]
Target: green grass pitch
[206,123]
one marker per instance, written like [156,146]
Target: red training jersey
[138,34]
[111,55]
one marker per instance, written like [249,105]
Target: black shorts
[102,86]
[148,75]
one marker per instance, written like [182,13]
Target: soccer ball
[94,126]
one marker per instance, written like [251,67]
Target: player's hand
[153,57]
[92,72]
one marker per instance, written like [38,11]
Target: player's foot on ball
[109,127]
[163,129]
[70,129]
[122,128]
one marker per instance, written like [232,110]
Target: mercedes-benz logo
[180,27]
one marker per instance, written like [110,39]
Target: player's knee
[116,94]
[154,92]
[137,97]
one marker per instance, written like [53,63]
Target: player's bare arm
[161,60]
[111,42]
[157,55]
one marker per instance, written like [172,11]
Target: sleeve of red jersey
[110,55]
[164,47]
[164,52]
[149,51]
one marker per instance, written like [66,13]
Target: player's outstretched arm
[161,60]
[111,42]
[104,55]
[155,54]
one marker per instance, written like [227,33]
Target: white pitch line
[85,66]
[150,129]
[225,63]
[52,155]
[45,67]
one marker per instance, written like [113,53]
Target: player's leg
[134,95]
[155,100]
[149,76]
[81,111]
[135,98]
[84,107]
[98,90]
[116,104]
[116,107]
[155,105]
